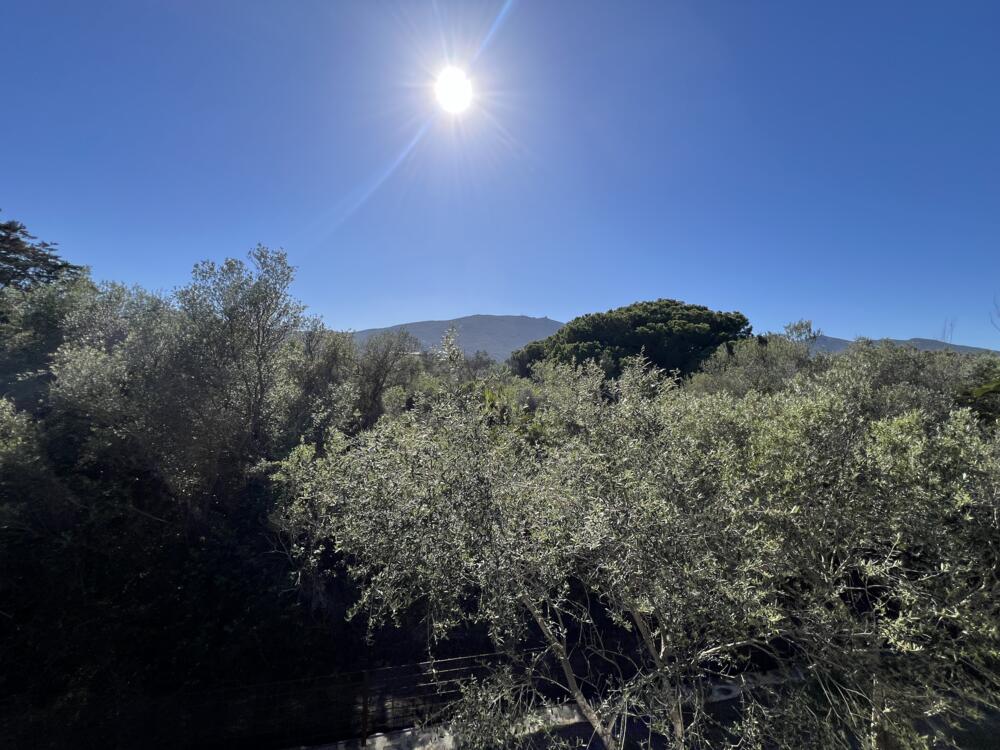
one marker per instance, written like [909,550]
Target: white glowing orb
[453,90]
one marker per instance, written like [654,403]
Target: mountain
[832,345]
[497,335]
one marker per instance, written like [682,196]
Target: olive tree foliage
[762,363]
[238,323]
[449,360]
[23,469]
[644,541]
[990,391]
[32,327]
[199,385]
[322,394]
[774,362]
[387,360]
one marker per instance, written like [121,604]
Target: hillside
[833,345]
[497,335]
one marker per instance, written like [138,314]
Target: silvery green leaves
[645,542]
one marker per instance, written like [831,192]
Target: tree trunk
[677,714]
[591,715]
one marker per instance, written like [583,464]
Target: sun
[453,90]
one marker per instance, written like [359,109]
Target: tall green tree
[322,389]
[25,262]
[38,292]
[672,335]
[239,321]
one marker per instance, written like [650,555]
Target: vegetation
[672,335]
[24,262]
[208,488]
[644,541]
[136,432]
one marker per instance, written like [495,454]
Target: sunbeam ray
[497,23]
[357,198]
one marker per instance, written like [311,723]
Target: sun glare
[453,90]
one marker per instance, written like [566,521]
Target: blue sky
[835,161]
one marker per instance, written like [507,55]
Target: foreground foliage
[643,541]
[136,432]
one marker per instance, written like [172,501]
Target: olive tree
[321,389]
[386,360]
[194,385]
[33,325]
[762,363]
[645,542]
[239,319]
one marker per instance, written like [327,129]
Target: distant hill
[497,335]
[832,345]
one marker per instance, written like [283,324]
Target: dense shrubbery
[643,538]
[624,542]
[136,435]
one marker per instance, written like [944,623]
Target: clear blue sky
[837,161]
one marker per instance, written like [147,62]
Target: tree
[34,323]
[387,359]
[991,388]
[240,319]
[672,335]
[194,386]
[761,363]
[658,541]
[321,369]
[38,291]
[136,556]
[24,262]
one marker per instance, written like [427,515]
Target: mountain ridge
[832,345]
[499,335]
